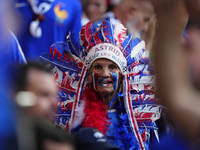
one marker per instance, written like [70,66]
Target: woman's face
[95,9]
[105,76]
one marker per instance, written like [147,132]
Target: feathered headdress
[71,60]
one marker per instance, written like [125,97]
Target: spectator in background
[45,22]
[136,16]
[36,91]
[133,14]
[94,9]
[30,125]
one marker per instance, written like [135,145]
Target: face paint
[116,76]
[95,77]
[104,82]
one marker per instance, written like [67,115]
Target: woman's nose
[105,73]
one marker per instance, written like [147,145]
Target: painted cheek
[116,76]
[95,77]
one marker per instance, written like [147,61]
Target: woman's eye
[97,67]
[113,67]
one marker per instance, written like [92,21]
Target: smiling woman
[108,85]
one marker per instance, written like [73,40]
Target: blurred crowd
[34,81]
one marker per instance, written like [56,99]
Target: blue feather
[61,46]
[123,137]
[62,116]
[62,64]
[128,45]
[125,45]
[74,46]
[100,34]
[108,31]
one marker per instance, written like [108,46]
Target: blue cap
[93,139]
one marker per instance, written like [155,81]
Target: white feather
[79,115]
[119,29]
[137,48]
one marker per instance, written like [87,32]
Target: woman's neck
[108,98]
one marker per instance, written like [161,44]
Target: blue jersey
[62,17]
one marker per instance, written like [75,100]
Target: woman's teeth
[105,82]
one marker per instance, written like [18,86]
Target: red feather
[85,34]
[97,40]
[121,36]
[66,84]
[95,111]
[90,46]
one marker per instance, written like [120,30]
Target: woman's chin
[105,91]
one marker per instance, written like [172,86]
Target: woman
[108,85]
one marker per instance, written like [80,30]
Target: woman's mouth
[104,82]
